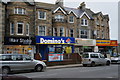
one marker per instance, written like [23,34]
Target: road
[76,72]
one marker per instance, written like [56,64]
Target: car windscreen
[85,56]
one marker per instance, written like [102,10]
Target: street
[76,72]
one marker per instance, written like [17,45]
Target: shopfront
[19,45]
[107,46]
[54,48]
[84,45]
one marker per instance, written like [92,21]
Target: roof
[31,2]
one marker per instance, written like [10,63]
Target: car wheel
[38,68]
[5,70]
[85,65]
[108,63]
[93,64]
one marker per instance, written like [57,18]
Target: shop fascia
[54,40]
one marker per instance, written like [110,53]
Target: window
[54,31]
[42,30]
[71,19]
[84,34]
[6,58]
[27,29]
[59,18]
[62,31]
[20,28]
[42,15]
[71,33]
[11,28]
[85,55]
[19,11]
[94,55]
[84,22]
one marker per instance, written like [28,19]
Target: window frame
[84,33]
[12,27]
[84,22]
[27,30]
[72,33]
[42,30]
[71,21]
[62,31]
[39,17]
[22,28]
[16,11]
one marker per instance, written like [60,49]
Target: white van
[93,59]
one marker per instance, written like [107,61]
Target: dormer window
[84,22]
[19,11]
[71,19]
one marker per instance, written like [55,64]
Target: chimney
[82,6]
[59,2]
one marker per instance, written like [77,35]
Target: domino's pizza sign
[54,40]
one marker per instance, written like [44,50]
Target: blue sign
[54,40]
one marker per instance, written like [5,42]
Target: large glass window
[19,11]
[20,28]
[11,28]
[42,15]
[62,31]
[42,31]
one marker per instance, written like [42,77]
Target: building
[36,27]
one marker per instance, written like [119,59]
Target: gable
[59,8]
[72,12]
[84,13]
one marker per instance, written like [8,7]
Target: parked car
[15,62]
[93,59]
[115,59]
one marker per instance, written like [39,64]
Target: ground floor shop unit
[19,45]
[53,48]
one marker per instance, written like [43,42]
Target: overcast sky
[109,7]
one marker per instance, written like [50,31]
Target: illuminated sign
[54,40]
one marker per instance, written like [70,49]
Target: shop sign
[54,40]
[85,42]
[55,57]
[113,43]
[19,41]
[102,42]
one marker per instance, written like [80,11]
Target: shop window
[42,15]
[20,28]
[19,11]
[42,30]
[11,28]
[71,19]
[62,31]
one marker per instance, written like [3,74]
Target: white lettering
[42,40]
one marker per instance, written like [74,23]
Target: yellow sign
[68,50]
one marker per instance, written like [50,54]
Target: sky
[109,7]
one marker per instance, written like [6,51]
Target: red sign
[113,43]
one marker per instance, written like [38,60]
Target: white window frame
[84,22]
[39,30]
[72,33]
[11,28]
[54,32]
[62,31]
[84,33]
[27,25]
[16,11]
[22,28]
[44,15]
[72,19]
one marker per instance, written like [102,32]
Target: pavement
[64,66]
